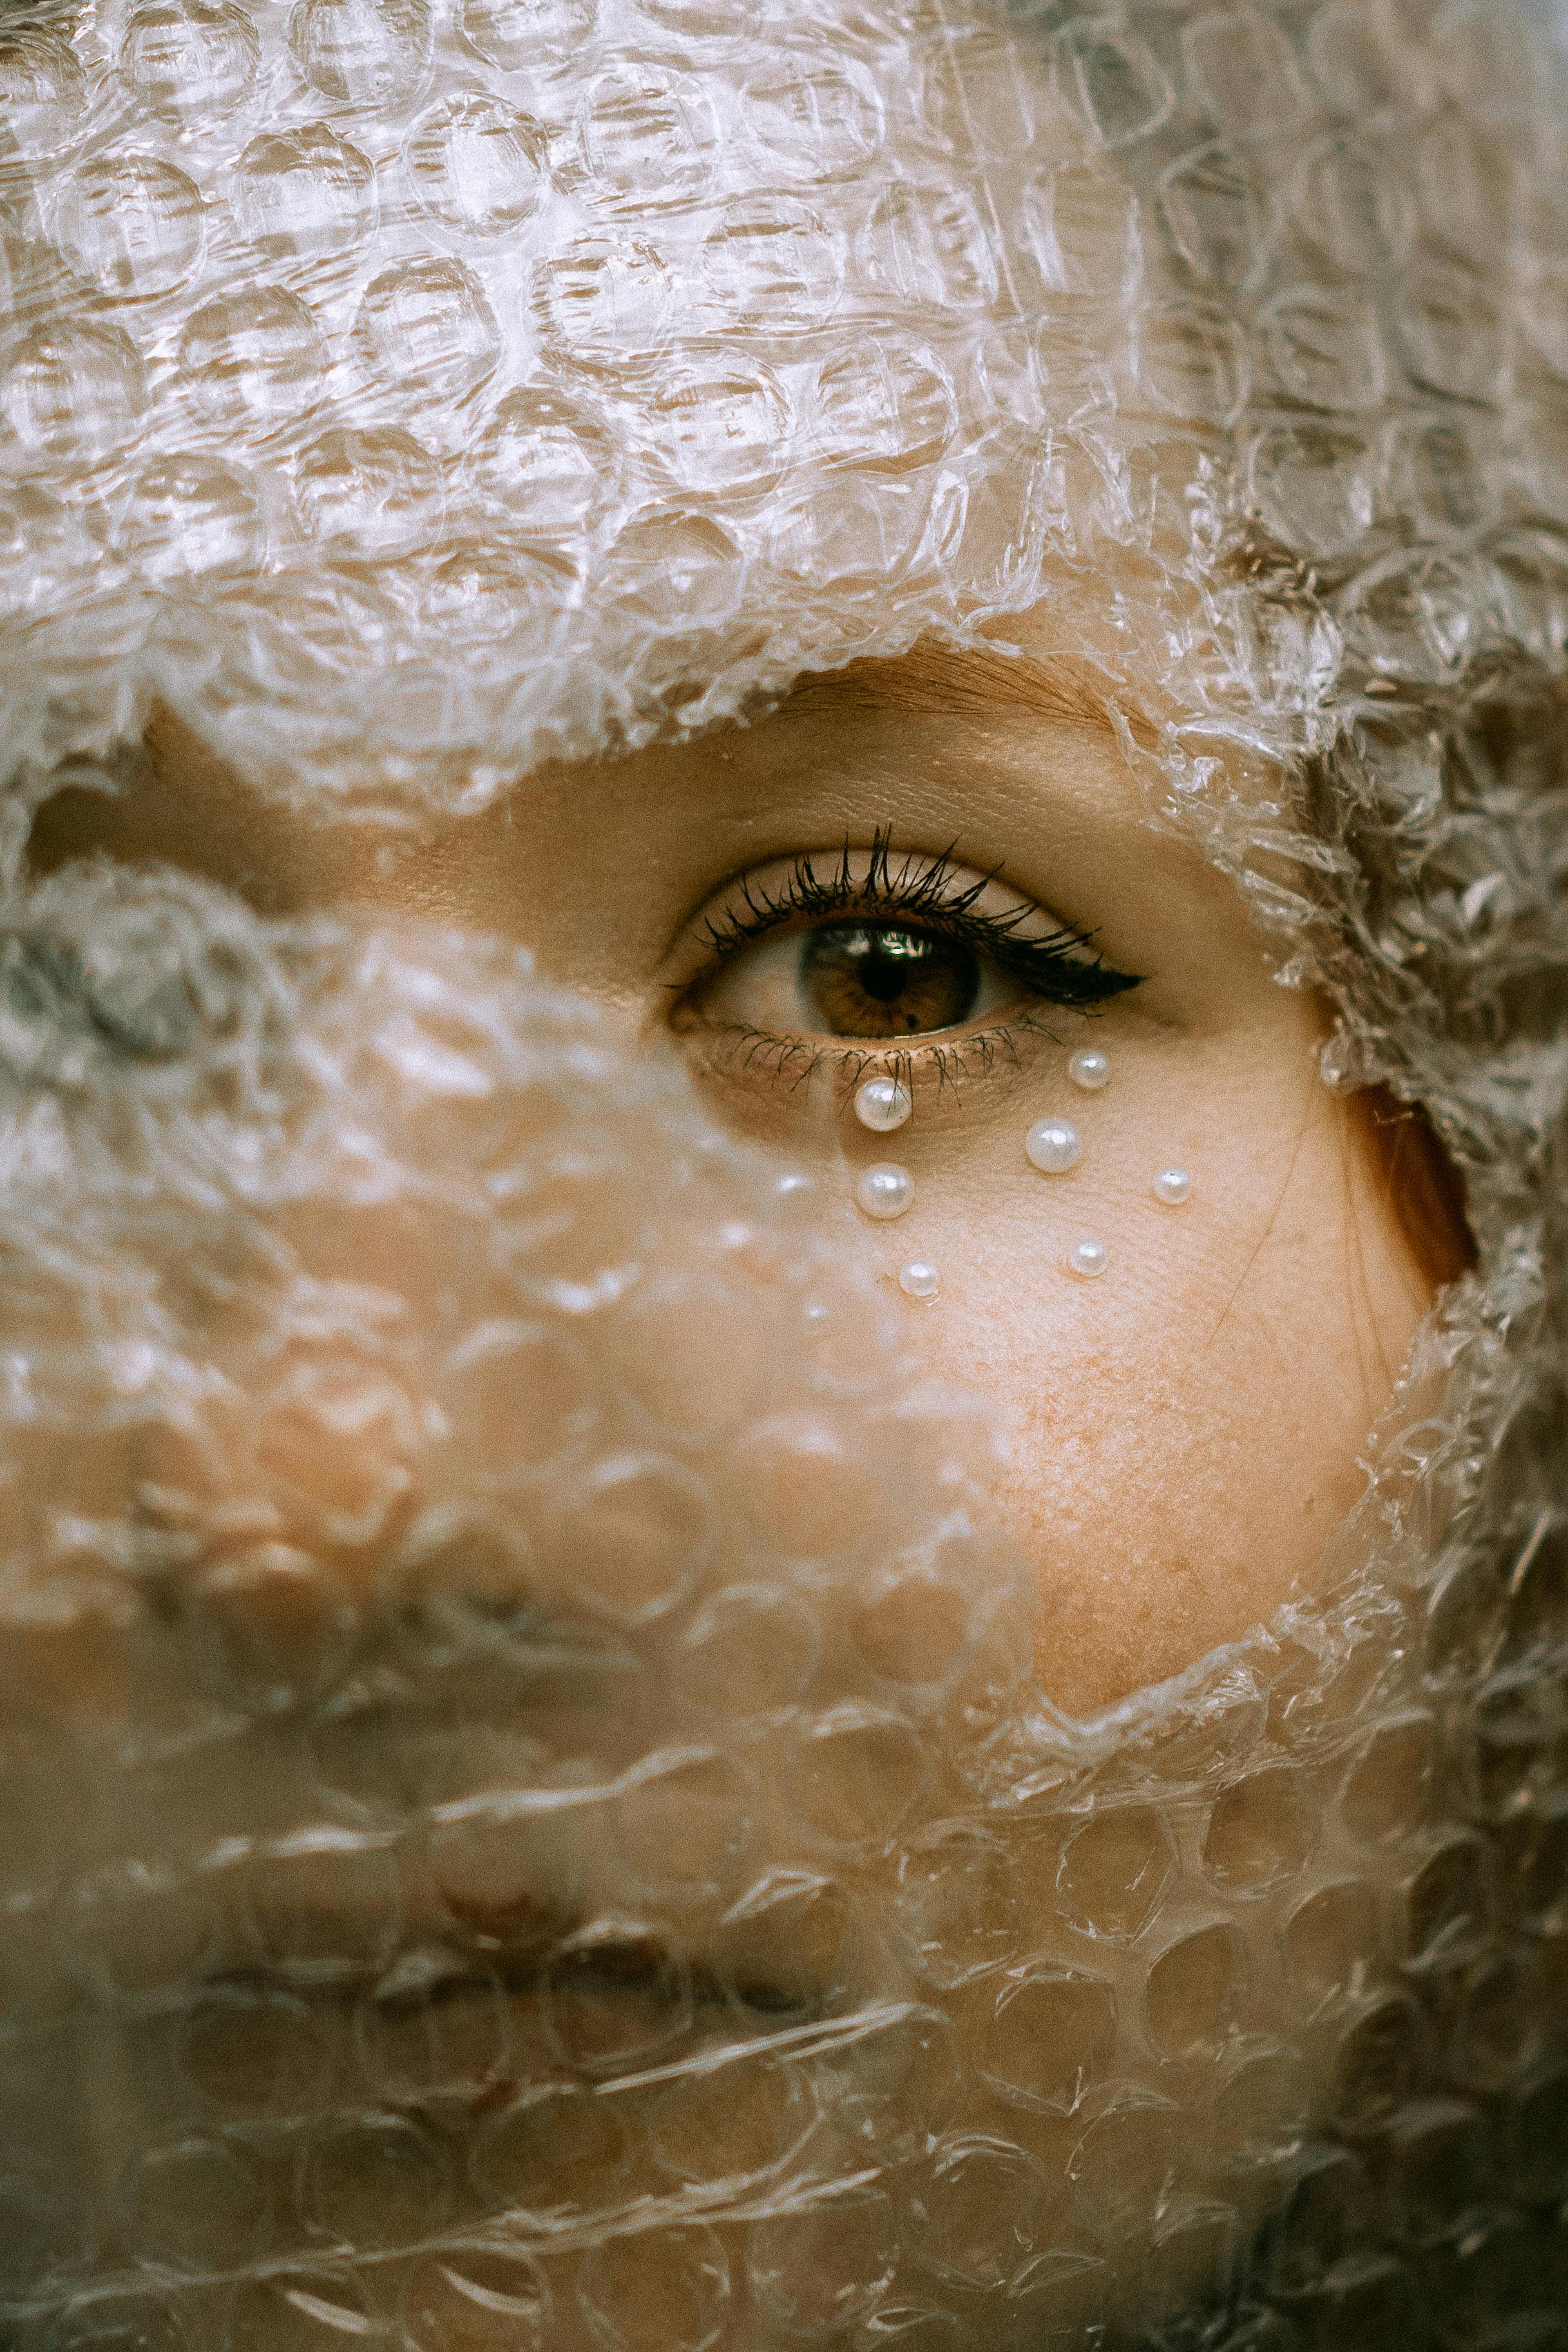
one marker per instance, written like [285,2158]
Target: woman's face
[1184,1428]
[853,888]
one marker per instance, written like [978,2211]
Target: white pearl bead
[1173,1185]
[1088,1258]
[882,1104]
[1090,1069]
[885,1190]
[1054,1145]
[919,1279]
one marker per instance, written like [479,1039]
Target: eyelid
[924,872]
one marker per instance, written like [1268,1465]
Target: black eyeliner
[1054,969]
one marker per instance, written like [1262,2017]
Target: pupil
[880,980]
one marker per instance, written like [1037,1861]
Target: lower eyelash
[795,1061]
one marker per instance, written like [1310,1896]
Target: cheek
[1186,1429]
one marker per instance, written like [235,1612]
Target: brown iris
[881,980]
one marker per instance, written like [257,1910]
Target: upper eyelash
[925,888]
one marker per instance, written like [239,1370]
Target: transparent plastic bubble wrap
[528,1820]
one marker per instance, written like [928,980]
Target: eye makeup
[883,966]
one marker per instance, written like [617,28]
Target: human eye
[832,961]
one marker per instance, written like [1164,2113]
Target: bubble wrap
[529,1821]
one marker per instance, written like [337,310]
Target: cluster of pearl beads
[1054,1146]
[885,1191]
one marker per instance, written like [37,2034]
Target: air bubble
[770,267]
[377,493]
[426,324]
[72,393]
[372,55]
[520,36]
[254,358]
[305,192]
[648,139]
[548,464]
[133,222]
[490,597]
[1123,89]
[42,88]
[1326,348]
[194,59]
[710,421]
[675,564]
[815,117]
[477,165]
[606,300]
[191,515]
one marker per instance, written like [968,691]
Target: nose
[481,1376]
[496,1319]
[410,1423]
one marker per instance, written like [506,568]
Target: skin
[1185,1431]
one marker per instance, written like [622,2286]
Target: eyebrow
[971,681]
